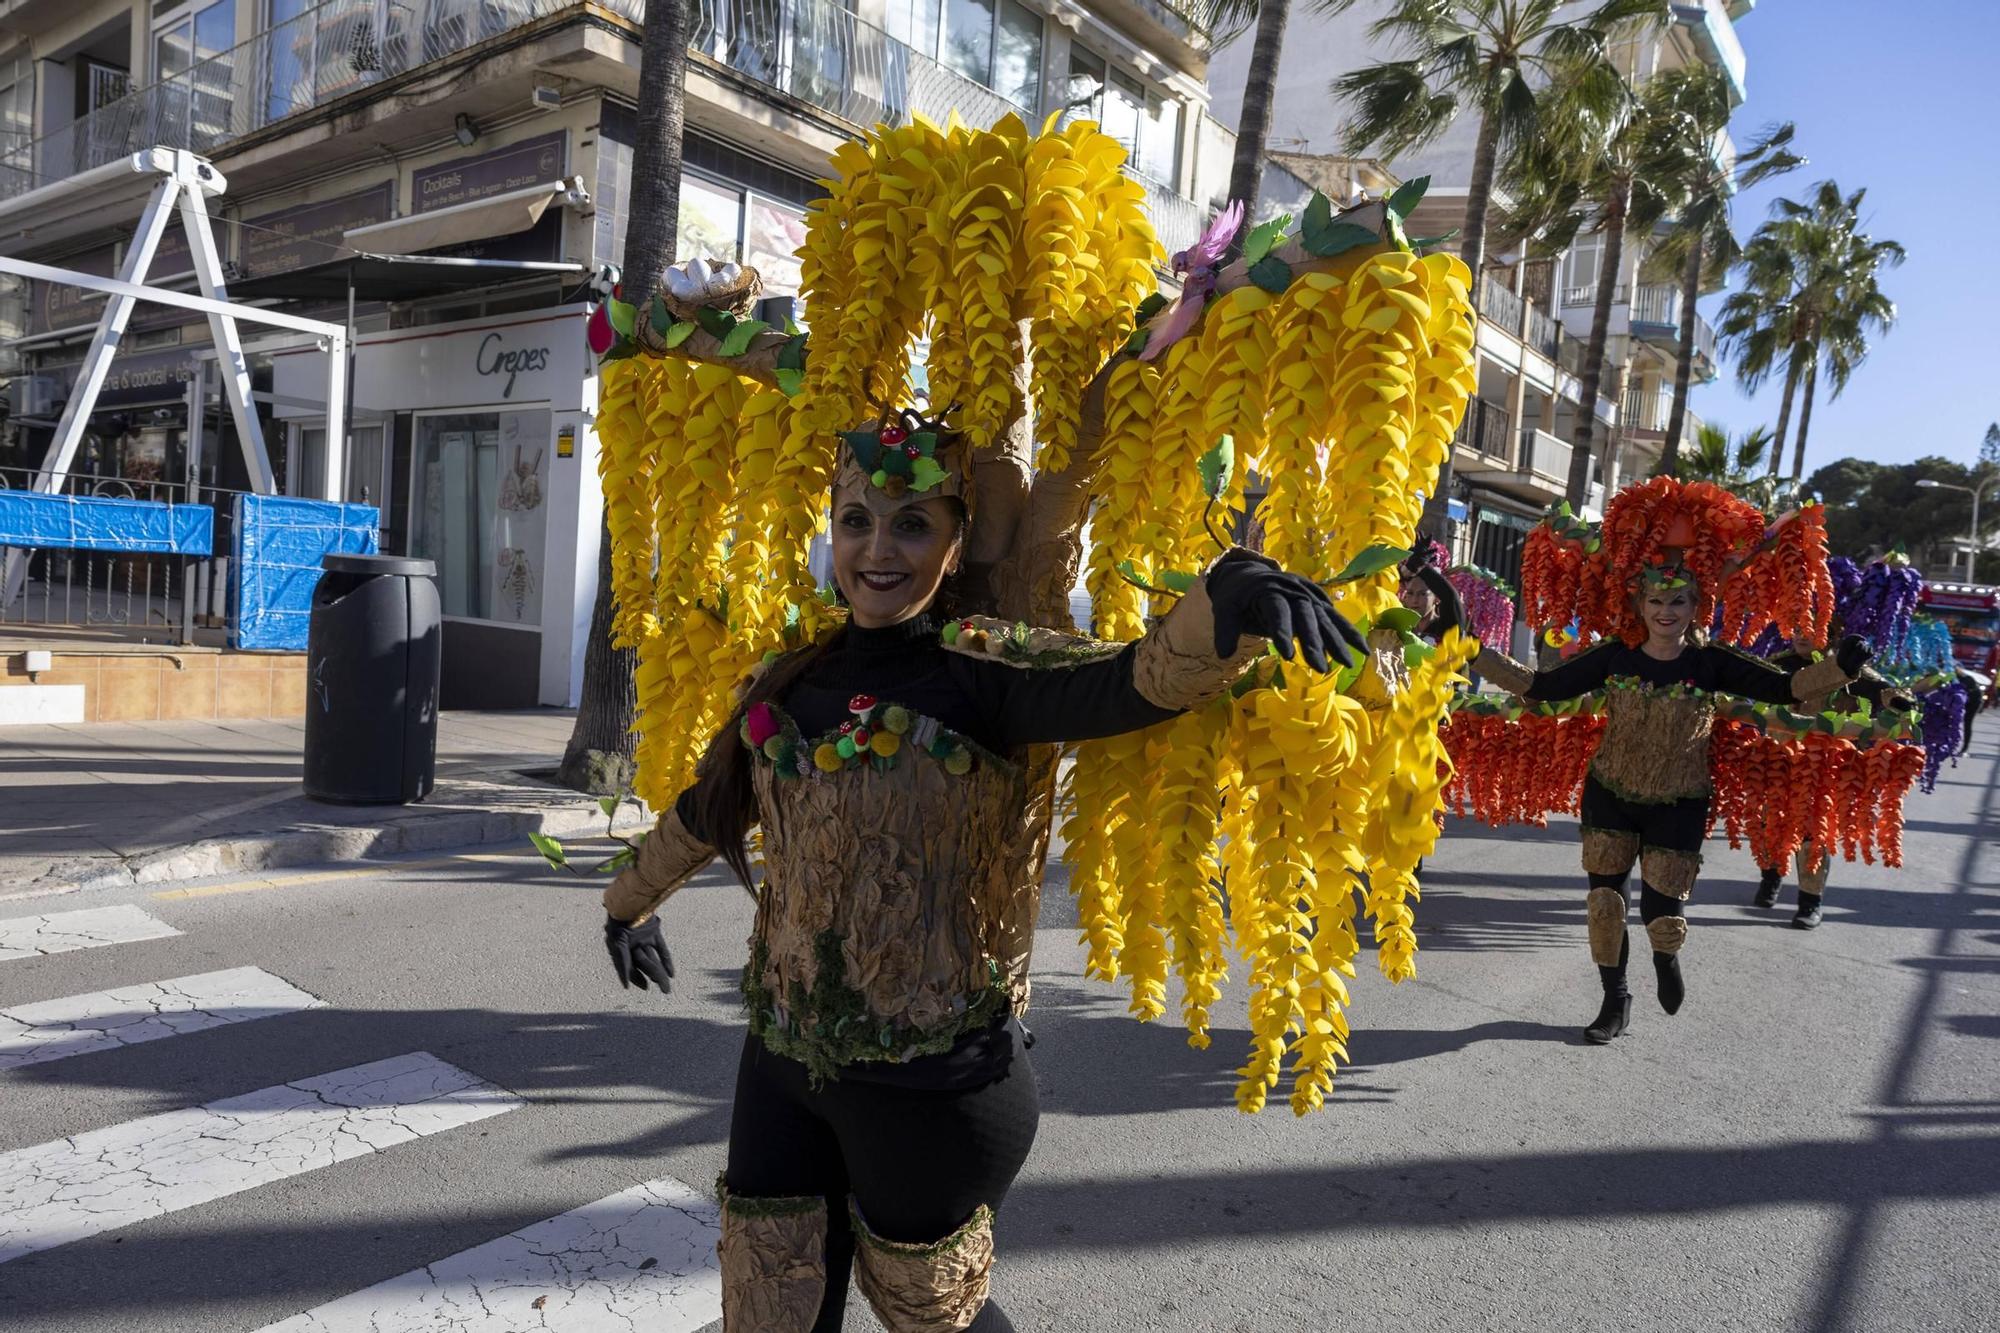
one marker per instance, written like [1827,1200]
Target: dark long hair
[725,804]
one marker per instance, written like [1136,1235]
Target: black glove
[1852,655]
[639,953]
[1451,607]
[1251,595]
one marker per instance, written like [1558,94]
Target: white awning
[482,219]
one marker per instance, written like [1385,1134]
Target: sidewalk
[149,802]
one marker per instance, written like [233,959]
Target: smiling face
[1668,613]
[889,565]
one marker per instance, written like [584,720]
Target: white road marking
[91,928]
[104,1020]
[643,1258]
[58,1192]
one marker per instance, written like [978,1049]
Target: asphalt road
[1813,1143]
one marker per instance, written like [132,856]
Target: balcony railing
[1500,307]
[1544,335]
[1177,221]
[1545,456]
[813,50]
[1647,410]
[1587,296]
[1488,429]
[1658,307]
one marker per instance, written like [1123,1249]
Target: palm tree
[1810,295]
[598,757]
[1713,458]
[1587,171]
[1253,122]
[1686,161]
[1495,58]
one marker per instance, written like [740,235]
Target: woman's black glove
[639,953]
[1852,655]
[1251,595]
[1451,607]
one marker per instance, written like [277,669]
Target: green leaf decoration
[792,328]
[717,323]
[1416,654]
[661,318]
[1272,274]
[792,356]
[1317,217]
[867,448]
[1263,237]
[1431,242]
[1408,195]
[1399,618]
[1177,580]
[1338,239]
[738,341]
[897,463]
[790,381]
[1137,342]
[1373,560]
[679,333]
[925,472]
[609,805]
[1392,230]
[926,442]
[624,317]
[551,850]
[1216,467]
[1168,578]
[1151,306]
[625,857]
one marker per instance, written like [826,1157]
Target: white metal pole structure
[1972,545]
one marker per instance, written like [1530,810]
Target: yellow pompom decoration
[827,759]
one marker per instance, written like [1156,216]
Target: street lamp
[1972,551]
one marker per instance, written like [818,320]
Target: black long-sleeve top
[1710,668]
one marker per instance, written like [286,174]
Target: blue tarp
[94,523]
[279,542]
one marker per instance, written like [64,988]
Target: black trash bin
[372,656]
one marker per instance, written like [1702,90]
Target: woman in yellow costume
[895,749]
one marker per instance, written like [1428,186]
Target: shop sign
[535,161]
[502,363]
[142,377]
[308,234]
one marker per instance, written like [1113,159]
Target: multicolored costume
[1645,769]
[903,779]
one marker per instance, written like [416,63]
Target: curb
[330,845]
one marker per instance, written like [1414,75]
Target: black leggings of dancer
[917,1162]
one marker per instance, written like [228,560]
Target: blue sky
[1905,100]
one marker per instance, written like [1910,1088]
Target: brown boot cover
[1812,878]
[1606,853]
[1668,933]
[1670,872]
[773,1254]
[1606,909]
[938,1287]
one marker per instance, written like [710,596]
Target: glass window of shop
[722,223]
[995,43]
[1146,121]
[17,100]
[479,487]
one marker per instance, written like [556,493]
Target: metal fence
[149,598]
[1487,428]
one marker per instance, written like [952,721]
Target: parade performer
[1646,581]
[895,745]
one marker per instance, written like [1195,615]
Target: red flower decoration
[861,703]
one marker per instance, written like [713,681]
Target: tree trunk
[1578,488]
[1805,415]
[1792,369]
[599,755]
[1472,246]
[1253,122]
[1684,362]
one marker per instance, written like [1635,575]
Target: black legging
[918,1163]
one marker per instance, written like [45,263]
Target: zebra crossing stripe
[91,928]
[643,1258]
[105,1020]
[58,1192]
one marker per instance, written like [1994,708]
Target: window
[191,37]
[995,43]
[711,221]
[480,487]
[17,100]
[1580,269]
[1147,122]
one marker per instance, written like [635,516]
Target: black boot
[1808,917]
[1767,888]
[1667,966]
[1616,1014]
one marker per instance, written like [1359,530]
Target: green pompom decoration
[774,748]
[896,719]
[880,479]
[958,763]
[940,748]
[951,632]
[845,747]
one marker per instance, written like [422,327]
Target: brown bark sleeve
[668,858]
[1813,683]
[1503,671]
[1174,666]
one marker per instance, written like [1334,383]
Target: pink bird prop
[1196,267]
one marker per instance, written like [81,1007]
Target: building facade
[1512,456]
[498,130]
